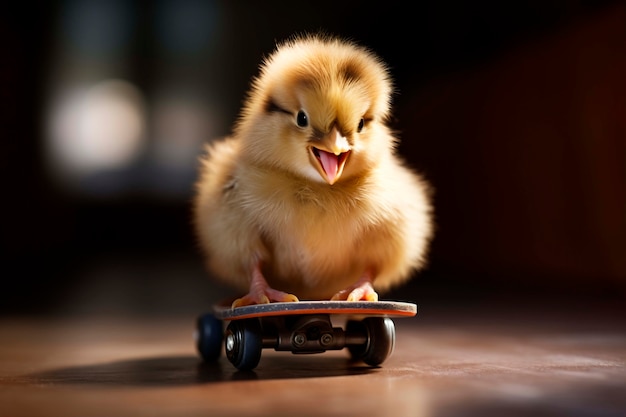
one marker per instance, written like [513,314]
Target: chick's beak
[329,155]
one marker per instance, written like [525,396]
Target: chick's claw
[362,291]
[250,299]
[361,295]
[280,296]
[268,296]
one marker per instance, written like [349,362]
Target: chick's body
[308,196]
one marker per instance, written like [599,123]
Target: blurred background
[514,111]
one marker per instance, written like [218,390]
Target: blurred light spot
[100,128]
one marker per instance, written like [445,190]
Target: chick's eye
[302,119]
[360,126]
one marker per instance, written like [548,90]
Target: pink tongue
[329,163]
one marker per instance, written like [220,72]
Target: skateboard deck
[353,308]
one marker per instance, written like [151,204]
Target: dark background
[514,111]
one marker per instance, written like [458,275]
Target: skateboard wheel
[209,336]
[243,342]
[381,337]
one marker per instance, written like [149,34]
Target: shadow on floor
[190,370]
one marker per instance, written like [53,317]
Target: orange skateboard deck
[300,327]
[356,308]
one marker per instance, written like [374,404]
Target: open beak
[329,155]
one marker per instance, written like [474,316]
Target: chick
[307,198]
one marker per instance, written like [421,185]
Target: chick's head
[318,110]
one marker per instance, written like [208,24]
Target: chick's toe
[261,293]
[361,291]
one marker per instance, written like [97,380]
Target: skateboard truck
[308,334]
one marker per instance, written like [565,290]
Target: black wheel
[209,337]
[243,342]
[381,337]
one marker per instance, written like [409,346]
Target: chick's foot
[362,290]
[269,295]
[261,293]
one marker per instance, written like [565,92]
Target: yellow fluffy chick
[308,199]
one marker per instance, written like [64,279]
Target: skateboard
[300,327]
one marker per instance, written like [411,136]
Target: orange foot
[260,291]
[362,290]
[266,296]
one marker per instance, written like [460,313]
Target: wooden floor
[493,361]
